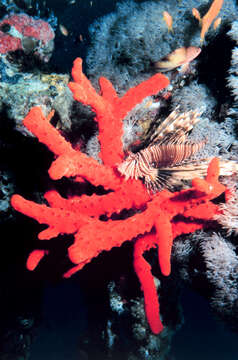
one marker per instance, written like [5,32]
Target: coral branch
[165,241]
[60,221]
[34,258]
[95,205]
[41,127]
[143,271]
[137,94]
[111,109]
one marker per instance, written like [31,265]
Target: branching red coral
[157,218]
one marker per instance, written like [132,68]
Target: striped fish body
[138,166]
[146,163]
[169,148]
[170,154]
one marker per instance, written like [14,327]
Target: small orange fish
[152,104]
[148,104]
[168,20]
[210,16]
[179,57]
[217,23]
[63,30]
[196,14]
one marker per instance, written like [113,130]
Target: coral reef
[130,314]
[228,217]
[127,42]
[194,96]
[222,274]
[36,9]
[27,43]
[45,90]
[22,32]
[7,190]
[233,71]
[90,213]
[170,214]
[207,261]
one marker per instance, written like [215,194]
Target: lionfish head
[130,166]
[135,167]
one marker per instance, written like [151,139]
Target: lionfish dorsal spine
[175,126]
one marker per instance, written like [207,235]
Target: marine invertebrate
[194,96]
[21,31]
[233,71]
[207,262]
[156,219]
[126,42]
[220,256]
[228,217]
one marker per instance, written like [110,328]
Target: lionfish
[166,161]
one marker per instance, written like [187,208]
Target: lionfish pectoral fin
[151,180]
